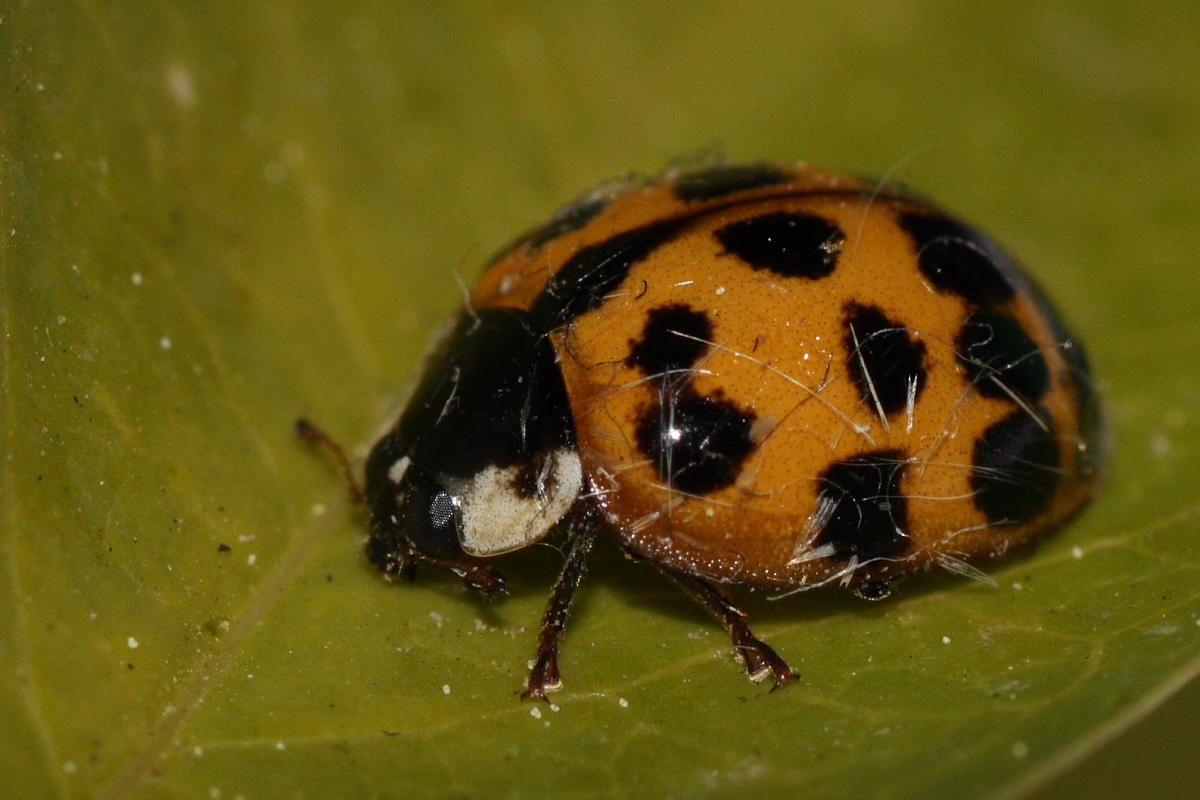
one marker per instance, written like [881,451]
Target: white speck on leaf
[132,642]
[1162,630]
[180,86]
[1160,445]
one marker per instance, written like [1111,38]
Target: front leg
[400,559]
[759,658]
[544,676]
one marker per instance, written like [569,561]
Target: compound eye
[441,512]
[429,516]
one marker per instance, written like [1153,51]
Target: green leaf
[216,218]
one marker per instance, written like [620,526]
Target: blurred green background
[216,217]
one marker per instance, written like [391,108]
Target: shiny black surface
[418,512]
[882,357]
[787,244]
[591,274]
[696,442]
[490,395]
[871,514]
[1000,357]
[958,259]
[1016,467]
[673,338]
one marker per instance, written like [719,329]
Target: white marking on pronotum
[497,519]
[396,471]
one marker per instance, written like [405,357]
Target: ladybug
[772,376]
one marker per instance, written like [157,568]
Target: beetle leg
[484,579]
[759,658]
[544,676]
[307,430]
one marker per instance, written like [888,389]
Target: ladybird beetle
[771,376]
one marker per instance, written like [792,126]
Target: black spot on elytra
[588,276]
[957,259]
[791,245]
[1016,467]
[869,513]
[1078,379]
[996,350]
[696,442]
[569,218]
[673,338]
[882,356]
[727,179]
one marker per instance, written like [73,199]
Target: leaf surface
[216,219]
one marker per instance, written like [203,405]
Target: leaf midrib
[191,694]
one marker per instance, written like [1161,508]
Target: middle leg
[757,655]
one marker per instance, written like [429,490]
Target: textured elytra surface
[728,356]
[234,164]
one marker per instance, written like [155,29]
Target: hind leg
[757,655]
